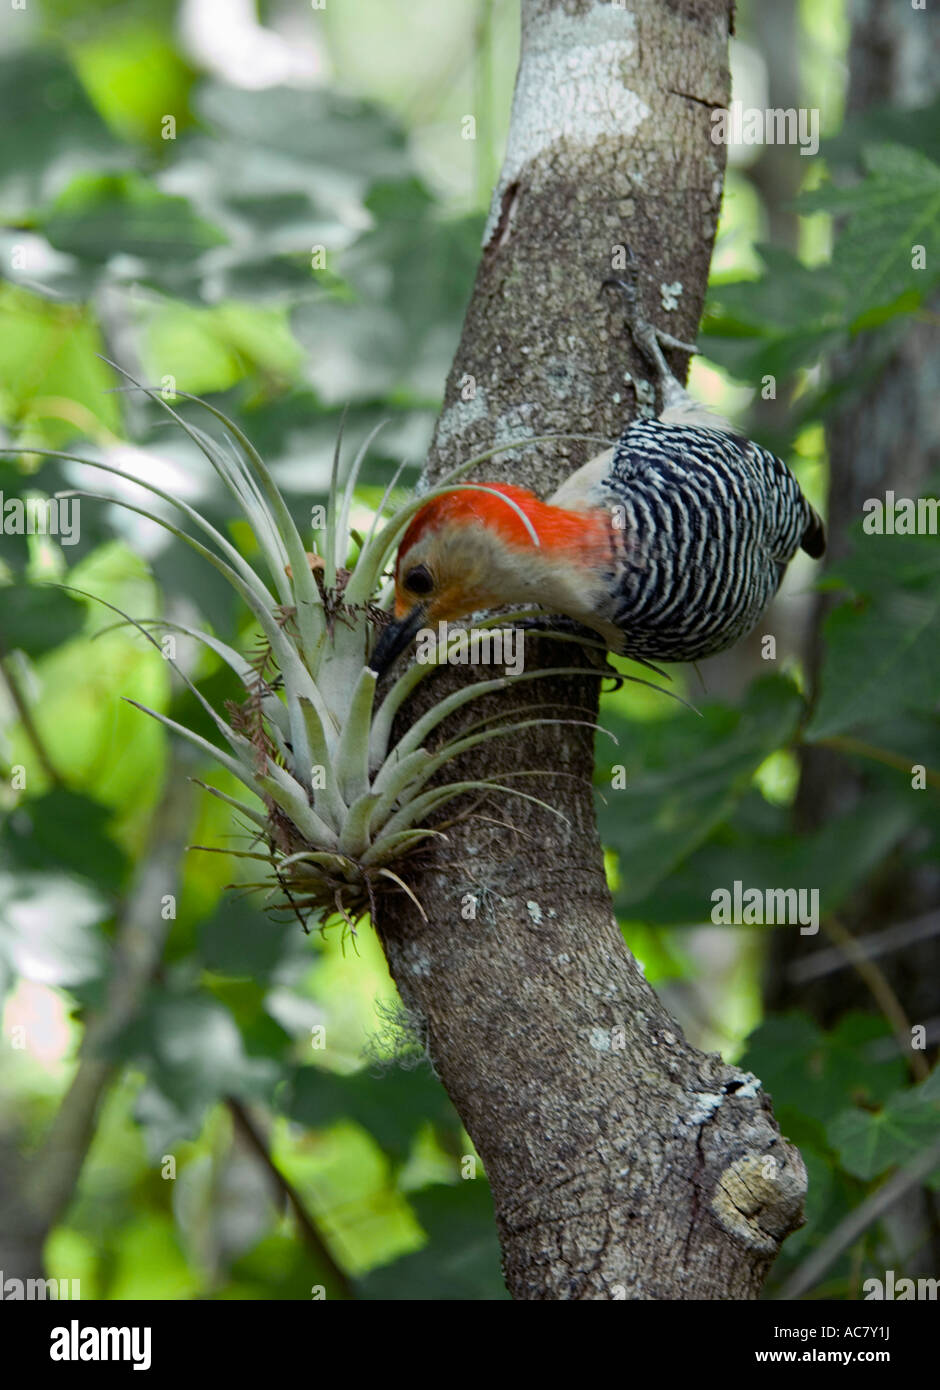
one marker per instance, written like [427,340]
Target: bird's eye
[419,580]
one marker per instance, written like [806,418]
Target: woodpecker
[669,546]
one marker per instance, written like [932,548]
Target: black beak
[394,639]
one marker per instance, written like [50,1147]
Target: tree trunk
[623,1163]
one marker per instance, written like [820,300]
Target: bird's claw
[668,341]
[649,339]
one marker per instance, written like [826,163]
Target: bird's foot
[649,339]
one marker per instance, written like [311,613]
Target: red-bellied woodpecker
[670,545]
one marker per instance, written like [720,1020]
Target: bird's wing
[575,493]
[692,414]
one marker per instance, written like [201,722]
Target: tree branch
[623,1163]
[36,1194]
[249,1131]
[21,705]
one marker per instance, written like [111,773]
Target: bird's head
[473,549]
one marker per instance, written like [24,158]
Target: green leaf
[314,126]
[193,1054]
[66,831]
[213,349]
[135,76]
[869,1142]
[102,215]
[757,848]
[34,618]
[279,1267]
[795,314]
[909,735]
[819,1073]
[462,1259]
[917,127]
[392,1107]
[784,320]
[892,210]
[147,1261]
[219,688]
[239,940]
[684,775]
[881,650]
[57,128]
[47,361]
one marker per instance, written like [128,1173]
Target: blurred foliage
[290,249]
[887,201]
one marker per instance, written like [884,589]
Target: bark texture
[623,1163]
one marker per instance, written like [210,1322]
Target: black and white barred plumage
[669,546]
[707,523]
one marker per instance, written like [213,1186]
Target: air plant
[344,801]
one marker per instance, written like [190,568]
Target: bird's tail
[814,537]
